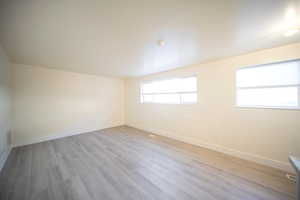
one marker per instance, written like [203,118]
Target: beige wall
[5,106]
[267,136]
[51,103]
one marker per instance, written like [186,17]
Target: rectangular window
[172,91]
[274,85]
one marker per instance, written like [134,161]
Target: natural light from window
[172,91]
[272,86]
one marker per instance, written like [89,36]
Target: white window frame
[179,93]
[263,87]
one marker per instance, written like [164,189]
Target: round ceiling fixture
[161,43]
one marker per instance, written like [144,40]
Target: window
[172,91]
[272,86]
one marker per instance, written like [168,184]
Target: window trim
[157,93]
[271,63]
[266,86]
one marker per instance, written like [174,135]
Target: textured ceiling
[119,37]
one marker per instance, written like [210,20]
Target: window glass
[273,97]
[274,85]
[172,91]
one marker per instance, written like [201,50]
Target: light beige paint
[50,103]
[5,106]
[119,37]
[267,136]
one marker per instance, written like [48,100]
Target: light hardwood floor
[126,164]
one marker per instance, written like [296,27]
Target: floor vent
[291,177]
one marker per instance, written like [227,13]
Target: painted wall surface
[50,103]
[5,106]
[266,136]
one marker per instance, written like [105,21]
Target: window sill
[267,107]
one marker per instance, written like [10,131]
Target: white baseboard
[4,158]
[55,136]
[243,155]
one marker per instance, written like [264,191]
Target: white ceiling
[119,37]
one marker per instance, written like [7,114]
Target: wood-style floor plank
[125,163]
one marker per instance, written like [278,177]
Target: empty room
[150,100]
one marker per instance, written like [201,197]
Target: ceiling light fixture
[291,32]
[161,43]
